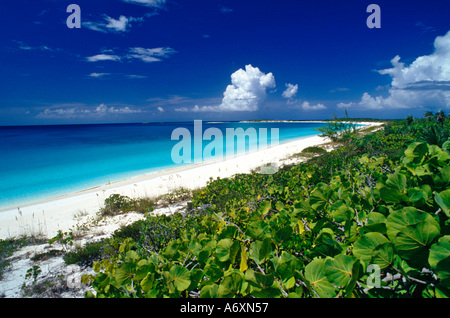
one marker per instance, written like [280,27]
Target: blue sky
[178,60]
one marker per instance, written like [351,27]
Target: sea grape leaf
[383,255]
[439,259]
[338,270]
[397,220]
[180,277]
[227,249]
[317,280]
[376,222]
[365,246]
[209,291]
[283,235]
[260,250]
[443,200]
[443,271]
[439,251]
[326,245]
[415,194]
[391,195]
[230,285]
[343,213]
[258,230]
[415,152]
[213,272]
[147,282]
[396,181]
[412,242]
[286,270]
[124,273]
[258,279]
[264,207]
[321,196]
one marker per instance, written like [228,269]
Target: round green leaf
[412,242]
[443,200]
[383,255]
[439,251]
[124,273]
[227,249]
[257,230]
[396,181]
[260,250]
[365,246]
[439,259]
[398,220]
[339,269]
[230,285]
[315,274]
[180,277]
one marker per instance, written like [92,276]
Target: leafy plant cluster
[116,204]
[370,219]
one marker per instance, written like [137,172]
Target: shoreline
[47,216]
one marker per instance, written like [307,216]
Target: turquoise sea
[38,162]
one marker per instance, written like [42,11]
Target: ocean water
[38,162]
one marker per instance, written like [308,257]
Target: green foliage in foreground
[361,221]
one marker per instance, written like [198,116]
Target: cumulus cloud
[290,92]
[77,111]
[246,92]
[424,83]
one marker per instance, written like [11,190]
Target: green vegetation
[9,246]
[369,219]
[341,129]
[117,204]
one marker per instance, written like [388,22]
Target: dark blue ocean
[38,162]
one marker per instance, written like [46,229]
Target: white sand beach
[46,217]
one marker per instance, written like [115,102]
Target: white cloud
[150,55]
[132,76]
[246,92]
[117,25]
[290,92]
[109,24]
[424,83]
[77,111]
[307,106]
[148,3]
[26,47]
[98,75]
[103,57]
[143,54]
[160,109]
